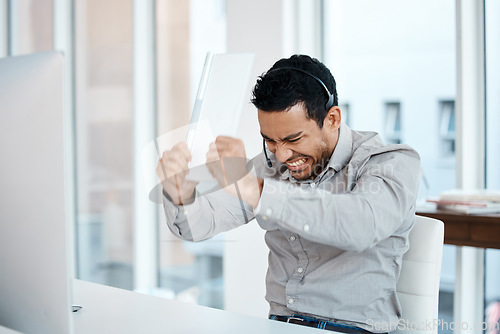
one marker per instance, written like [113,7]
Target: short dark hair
[279,90]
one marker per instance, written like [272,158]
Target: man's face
[299,142]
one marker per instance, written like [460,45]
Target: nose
[282,153]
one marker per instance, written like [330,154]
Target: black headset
[328,104]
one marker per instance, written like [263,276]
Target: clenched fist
[172,170]
[226,161]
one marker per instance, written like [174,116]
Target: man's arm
[226,160]
[172,169]
[190,215]
[206,216]
[382,197]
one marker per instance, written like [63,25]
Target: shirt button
[292,238]
[300,270]
[306,228]
[313,185]
[290,301]
[186,212]
[264,217]
[269,211]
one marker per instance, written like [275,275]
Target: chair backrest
[418,285]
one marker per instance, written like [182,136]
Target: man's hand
[172,170]
[226,161]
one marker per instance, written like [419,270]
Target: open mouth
[297,165]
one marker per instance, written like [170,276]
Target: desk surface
[111,310]
[467,230]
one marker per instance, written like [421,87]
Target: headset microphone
[269,163]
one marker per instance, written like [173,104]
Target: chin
[301,176]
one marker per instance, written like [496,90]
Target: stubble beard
[318,165]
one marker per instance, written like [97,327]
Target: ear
[333,118]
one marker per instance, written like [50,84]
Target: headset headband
[330,101]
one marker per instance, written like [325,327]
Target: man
[337,204]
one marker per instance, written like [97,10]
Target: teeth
[296,163]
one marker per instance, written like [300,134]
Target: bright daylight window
[393,122]
[186,31]
[104,136]
[395,62]
[447,128]
[31,27]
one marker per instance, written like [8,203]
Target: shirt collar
[343,151]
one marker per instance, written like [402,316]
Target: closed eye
[294,140]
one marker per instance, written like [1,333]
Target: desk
[111,310]
[467,230]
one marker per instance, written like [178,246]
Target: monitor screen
[223,87]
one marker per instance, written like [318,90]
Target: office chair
[418,285]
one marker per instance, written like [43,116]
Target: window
[186,31]
[104,129]
[393,122]
[447,128]
[32,26]
[345,110]
[380,70]
[104,136]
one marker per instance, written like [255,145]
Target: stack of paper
[469,201]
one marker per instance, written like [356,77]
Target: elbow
[183,234]
[365,233]
[357,242]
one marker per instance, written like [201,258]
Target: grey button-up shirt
[335,242]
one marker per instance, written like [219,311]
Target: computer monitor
[222,90]
[223,87]
[35,283]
